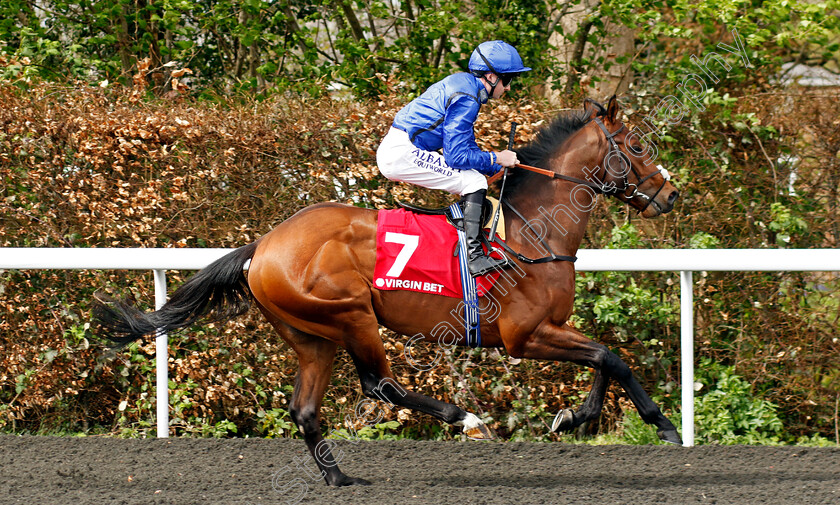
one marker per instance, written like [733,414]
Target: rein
[548,173]
[601,189]
[609,188]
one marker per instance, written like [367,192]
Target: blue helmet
[498,57]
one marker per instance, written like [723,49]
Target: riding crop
[504,179]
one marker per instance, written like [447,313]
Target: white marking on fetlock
[469,422]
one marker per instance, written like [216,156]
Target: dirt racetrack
[81,471]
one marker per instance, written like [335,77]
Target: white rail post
[161,362]
[687,355]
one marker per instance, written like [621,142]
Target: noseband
[614,190]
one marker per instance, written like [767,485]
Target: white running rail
[684,261]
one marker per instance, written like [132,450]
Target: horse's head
[628,168]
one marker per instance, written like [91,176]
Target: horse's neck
[559,217]
[557,210]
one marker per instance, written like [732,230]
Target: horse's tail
[219,291]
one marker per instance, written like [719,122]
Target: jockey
[442,118]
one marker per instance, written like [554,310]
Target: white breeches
[400,160]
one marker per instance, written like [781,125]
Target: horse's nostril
[673,197]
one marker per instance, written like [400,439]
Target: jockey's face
[490,79]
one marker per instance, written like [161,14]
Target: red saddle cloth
[416,252]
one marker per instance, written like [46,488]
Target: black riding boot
[479,263]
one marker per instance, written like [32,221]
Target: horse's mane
[545,145]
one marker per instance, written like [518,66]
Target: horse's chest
[560,301]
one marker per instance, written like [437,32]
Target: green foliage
[815,440]
[525,420]
[378,431]
[311,46]
[221,429]
[256,45]
[703,240]
[637,432]
[729,412]
[275,423]
[785,223]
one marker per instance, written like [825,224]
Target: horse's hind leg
[378,382]
[316,356]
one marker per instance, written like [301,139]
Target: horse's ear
[612,109]
[592,108]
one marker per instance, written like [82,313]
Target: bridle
[615,151]
[607,188]
[611,188]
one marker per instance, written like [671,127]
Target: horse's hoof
[474,428]
[563,421]
[670,436]
[481,432]
[351,481]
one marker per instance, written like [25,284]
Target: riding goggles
[507,78]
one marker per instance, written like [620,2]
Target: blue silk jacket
[443,118]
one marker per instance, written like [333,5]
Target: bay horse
[312,278]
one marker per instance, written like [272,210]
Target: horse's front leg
[567,419]
[564,343]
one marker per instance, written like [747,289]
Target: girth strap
[521,257]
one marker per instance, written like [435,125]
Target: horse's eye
[636,149]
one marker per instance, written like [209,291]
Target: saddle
[487,211]
[412,246]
